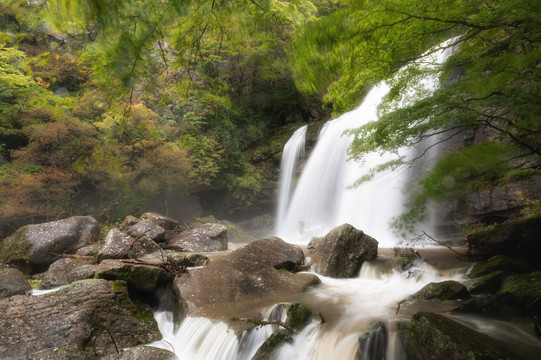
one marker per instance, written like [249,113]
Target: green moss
[277,338]
[497,263]
[526,287]
[298,315]
[34,283]
[445,290]
[16,250]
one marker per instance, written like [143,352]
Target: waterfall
[293,152]
[324,197]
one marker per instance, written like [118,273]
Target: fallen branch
[260,323]
[398,307]
[444,244]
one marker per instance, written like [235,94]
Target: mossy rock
[373,342]
[498,263]
[143,278]
[525,287]
[298,315]
[401,262]
[505,305]
[487,284]
[445,290]
[277,338]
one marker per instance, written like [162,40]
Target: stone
[147,228]
[160,220]
[493,304]
[401,262]
[90,250]
[119,245]
[298,316]
[142,353]
[57,274]
[342,251]
[33,248]
[445,290]
[373,342]
[498,263]
[246,274]
[139,277]
[182,259]
[202,238]
[432,336]
[83,316]
[12,282]
[487,284]
[277,338]
[525,287]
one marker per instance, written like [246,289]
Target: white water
[324,199]
[293,152]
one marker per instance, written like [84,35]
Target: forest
[108,105]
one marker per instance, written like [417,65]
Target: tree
[491,82]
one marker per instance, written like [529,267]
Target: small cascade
[293,152]
[324,197]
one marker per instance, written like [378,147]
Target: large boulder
[432,336]
[119,245]
[154,226]
[498,263]
[204,238]
[445,290]
[86,315]
[247,274]
[342,251]
[57,274]
[12,282]
[33,248]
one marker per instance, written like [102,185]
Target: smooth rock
[12,282]
[202,238]
[119,245]
[33,248]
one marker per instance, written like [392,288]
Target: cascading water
[293,152]
[324,197]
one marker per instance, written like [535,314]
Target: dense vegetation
[105,105]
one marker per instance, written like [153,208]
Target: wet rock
[342,251]
[401,262]
[141,353]
[204,238]
[518,239]
[298,315]
[432,336]
[12,282]
[141,278]
[57,274]
[244,274]
[498,263]
[488,284]
[83,316]
[182,259]
[493,304]
[277,338]
[33,248]
[373,342]
[445,290]
[526,288]
[119,245]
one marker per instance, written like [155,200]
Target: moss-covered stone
[278,338]
[445,290]
[487,284]
[432,336]
[143,278]
[498,263]
[373,342]
[525,287]
[493,304]
[298,315]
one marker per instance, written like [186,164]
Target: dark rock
[277,338]
[57,274]
[12,282]
[518,239]
[246,273]
[342,251]
[445,290]
[78,317]
[298,316]
[33,248]
[498,263]
[432,336]
[499,305]
[488,284]
[526,288]
[204,238]
[373,342]
[119,245]
[141,278]
[141,353]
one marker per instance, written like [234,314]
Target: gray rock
[342,251]
[90,250]
[142,353]
[57,274]
[203,238]
[432,336]
[182,259]
[160,220]
[119,245]
[83,316]
[33,248]
[277,338]
[445,290]
[373,342]
[147,228]
[12,282]
[246,274]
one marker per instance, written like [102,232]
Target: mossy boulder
[498,263]
[342,251]
[445,290]
[277,339]
[525,287]
[188,260]
[373,342]
[140,278]
[298,315]
[432,336]
[13,282]
[487,284]
[33,248]
[80,317]
[517,239]
[493,304]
